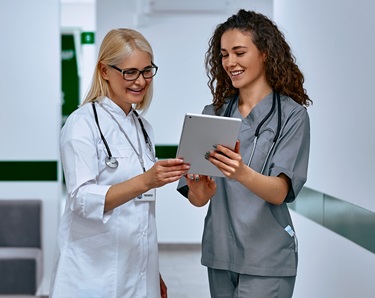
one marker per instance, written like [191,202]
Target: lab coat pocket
[124,157]
[92,242]
[117,152]
[122,152]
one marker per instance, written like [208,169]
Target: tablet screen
[199,134]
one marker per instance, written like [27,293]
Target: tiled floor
[182,271]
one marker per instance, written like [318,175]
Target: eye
[240,53]
[147,71]
[131,71]
[224,55]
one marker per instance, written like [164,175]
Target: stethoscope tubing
[275,98]
[110,160]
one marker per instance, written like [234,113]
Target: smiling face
[125,93]
[242,60]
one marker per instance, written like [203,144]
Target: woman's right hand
[162,172]
[165,171]
[201,189]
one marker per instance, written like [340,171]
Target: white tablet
[199,134]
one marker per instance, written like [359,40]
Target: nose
[231,60]
[140,79]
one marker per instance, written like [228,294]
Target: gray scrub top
[242,232]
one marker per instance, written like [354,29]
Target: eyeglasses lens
[133,74]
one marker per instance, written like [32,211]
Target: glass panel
[309,203]
[352,222]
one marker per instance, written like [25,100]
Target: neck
[248,99]
[126,108]
[123,105]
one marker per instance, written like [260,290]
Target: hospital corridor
[49,51]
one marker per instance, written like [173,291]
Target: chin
[237,84]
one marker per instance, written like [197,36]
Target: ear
[264,57]
[103,68]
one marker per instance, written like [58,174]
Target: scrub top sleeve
[209,110]
[292,151]
[80,164]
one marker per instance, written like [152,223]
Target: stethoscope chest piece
[111,162]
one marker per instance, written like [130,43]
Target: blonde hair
[117,45]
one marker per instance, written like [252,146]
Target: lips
[136,90]
[236,73]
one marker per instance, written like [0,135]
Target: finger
[174,174]
[171,162]
[193,177]
[182,167]
[219,156]
[223,165]
[237,147]
[224,151]
[163,170]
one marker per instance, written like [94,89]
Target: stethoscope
[275,97]
[111,161]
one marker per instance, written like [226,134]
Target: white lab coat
[112,254]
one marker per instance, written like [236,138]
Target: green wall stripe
[346,219]
[47,170]
[166,151]
[28,171]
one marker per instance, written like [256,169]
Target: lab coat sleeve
[80,164]
[292,151]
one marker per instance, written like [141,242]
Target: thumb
[237,147]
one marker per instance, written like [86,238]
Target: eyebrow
[134,68]
[235,48]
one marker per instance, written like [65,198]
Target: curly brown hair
[282,72]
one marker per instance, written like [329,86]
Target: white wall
[30,98]
[334,44]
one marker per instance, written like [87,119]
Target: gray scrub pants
[227,284]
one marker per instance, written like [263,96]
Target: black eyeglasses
[131,74]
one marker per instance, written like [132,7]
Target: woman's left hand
[228,161]
[163,288]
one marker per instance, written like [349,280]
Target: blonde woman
[107,241]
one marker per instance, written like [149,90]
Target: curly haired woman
[249,244]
